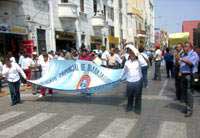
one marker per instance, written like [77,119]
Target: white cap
[133,49]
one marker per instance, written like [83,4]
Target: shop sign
[65,36]
[18,29]
[113,40]
[96,39]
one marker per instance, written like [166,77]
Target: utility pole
[52,27]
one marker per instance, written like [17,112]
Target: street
[101,116]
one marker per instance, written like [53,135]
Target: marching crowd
[182,63]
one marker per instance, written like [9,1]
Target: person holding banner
[11,71]
[44,65]
[133,75]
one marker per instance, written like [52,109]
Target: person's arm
[124,72]
[20,71]
[5,71]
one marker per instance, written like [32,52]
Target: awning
[176,38]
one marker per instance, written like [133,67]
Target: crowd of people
[182,63]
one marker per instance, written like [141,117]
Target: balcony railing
[98,21]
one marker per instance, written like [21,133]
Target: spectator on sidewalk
[157,59]
[11,71]
[144,63]
[169,62]
[133,75]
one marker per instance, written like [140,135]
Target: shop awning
[176,38]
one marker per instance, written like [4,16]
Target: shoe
[188,114]
[12,104]
[40,95]
[128,109]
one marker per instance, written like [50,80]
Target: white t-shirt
[158,55]
[118,58]
[132,71]
[60,58]
[105,55]
[12,74]
[26,63]
[141,58]
[44,66]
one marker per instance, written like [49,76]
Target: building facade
[64,24]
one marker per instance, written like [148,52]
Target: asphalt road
[100,116]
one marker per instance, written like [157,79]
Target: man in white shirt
[11,72]
[45,66]
[133,75]
[157,58]
[27,62]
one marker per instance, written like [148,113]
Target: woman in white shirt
[11,72]
[133,75]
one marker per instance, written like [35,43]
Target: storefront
[11,39]
[96,40]
[113,41]
[65,40]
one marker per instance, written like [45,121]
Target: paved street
[100,116]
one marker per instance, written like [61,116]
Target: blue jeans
[134,93]
[14,92]
[144,76]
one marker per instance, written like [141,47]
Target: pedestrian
[177,55]
[169,62]
[133,75]
[105,55]
[61,56]
[44,66]
[144,63]
[11,71]
[84,55]
[26,64]
[188,67]
[157,59]
[11,57]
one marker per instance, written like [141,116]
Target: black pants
[134,93]
[170,69]
[177,83]
[187,92]
[14,91]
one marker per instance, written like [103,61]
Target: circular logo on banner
[84,82]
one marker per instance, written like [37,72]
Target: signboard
[113,40]
[78,76]
[18,29]
[96,39]
[65,35]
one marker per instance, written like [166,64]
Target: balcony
[98,21]
[67,10]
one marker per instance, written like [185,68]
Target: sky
[170,14]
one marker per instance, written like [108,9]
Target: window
[111,13]
[64,1]
[82,5]
[95,6]
[104,10]
[112,30]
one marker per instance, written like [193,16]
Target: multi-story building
[63,24]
